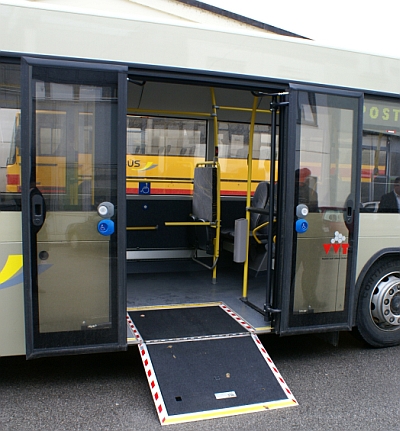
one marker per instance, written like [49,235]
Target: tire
[378,308]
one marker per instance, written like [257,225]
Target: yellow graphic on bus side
[149,165]
[11,267]
[12,274]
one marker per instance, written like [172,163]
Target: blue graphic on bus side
[19,278]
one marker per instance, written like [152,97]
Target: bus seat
[204,206]
[205,213]
[259,200]
[258,229]
[259,225]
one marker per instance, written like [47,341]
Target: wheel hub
[385,302]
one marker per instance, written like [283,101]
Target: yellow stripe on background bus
[11,267]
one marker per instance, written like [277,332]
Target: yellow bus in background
[161,151]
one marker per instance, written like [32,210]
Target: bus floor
[193,285]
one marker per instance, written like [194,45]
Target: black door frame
[284,275]
[74,343]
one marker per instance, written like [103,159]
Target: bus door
[73,206]
[315,269]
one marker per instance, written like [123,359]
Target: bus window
[233,144]
[373,170]
[165,136]
[85,142]
[9,137]
[380,166]
[164,151]
[233,141]
[394,159]
[50,135]
[380,151]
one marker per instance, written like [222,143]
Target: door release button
[301,211]
[105,210]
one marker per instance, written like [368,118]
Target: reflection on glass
[326,136]
[75,171]
[166,136]
[10,136]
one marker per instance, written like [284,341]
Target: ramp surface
[225,371]
[180,322]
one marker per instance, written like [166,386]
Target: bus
[150,182]
[150,153]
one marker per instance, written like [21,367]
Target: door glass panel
[75,174]
[73,139]
[10,134]
[325,161]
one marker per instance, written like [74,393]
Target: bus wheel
[378,310]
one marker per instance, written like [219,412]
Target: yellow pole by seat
[248,195]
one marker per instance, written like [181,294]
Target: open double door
[74,230]
[74,239]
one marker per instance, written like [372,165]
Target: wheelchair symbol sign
[301,226]
[144,188]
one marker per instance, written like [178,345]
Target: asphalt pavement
[349,387]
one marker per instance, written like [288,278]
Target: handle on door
[349,211]
[38,209]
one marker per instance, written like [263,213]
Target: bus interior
[171,260]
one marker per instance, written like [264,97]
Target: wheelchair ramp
[210,372]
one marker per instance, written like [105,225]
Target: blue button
[301,225]
[105,227]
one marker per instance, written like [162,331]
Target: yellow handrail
[168,112]
[255,230]
[236,108]
[188,223]
[142,227]
[248,195]
[157,180]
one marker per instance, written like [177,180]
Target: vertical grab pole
[248,195]
[215,158]
[215,120]
[218,225]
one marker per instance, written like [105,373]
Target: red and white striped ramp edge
[236,317]
[133,329]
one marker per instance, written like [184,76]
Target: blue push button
[301,226]
[105,227]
